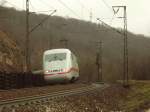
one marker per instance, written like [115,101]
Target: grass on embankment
[137,97]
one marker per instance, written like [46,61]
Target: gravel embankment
[98,101]
[112,99]
[4,95]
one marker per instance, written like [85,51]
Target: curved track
[45,98]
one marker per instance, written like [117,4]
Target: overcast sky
[138,11]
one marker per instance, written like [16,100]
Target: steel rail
[45,98]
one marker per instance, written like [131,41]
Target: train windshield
[55,57]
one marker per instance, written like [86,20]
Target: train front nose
[56,76]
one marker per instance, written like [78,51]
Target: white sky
[137,11]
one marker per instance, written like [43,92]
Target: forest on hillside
[82,37]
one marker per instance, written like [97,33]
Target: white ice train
[60,65]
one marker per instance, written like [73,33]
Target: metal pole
[99,61]
[125,76]
[125,72]
[101,75]
[27,49]
[125,48]
[27,38]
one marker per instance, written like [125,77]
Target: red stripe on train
[71,69]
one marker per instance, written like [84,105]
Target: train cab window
[55,57]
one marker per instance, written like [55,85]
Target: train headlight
[64,70]
[46,71]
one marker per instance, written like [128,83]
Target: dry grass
[137,97]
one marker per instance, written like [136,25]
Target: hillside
[10,54]
[81,37]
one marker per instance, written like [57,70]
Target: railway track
[45,98]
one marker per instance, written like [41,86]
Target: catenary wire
[61,2]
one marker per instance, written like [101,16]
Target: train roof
[57,51]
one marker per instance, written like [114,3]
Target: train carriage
[60,65]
